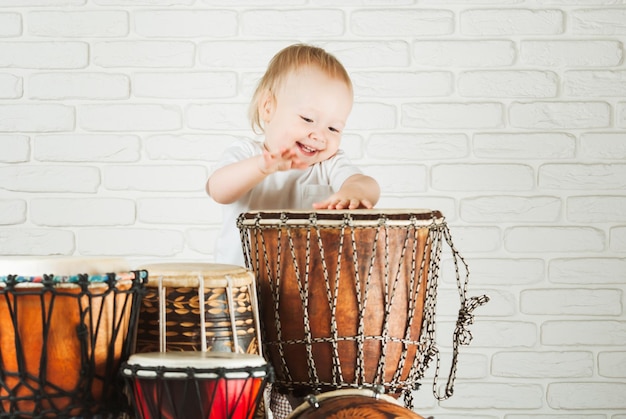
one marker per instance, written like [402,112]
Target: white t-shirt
[283,190]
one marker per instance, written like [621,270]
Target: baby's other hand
[339,203]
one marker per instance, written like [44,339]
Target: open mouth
[306,150]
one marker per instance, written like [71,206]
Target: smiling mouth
[306,150]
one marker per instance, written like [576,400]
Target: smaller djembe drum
[67,324]
[199,307]
[352,404]
[198,385]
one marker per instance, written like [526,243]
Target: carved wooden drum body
[67,324]
[342,295]
[352,404]
[199,307]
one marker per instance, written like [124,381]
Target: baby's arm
[229,183]
[358,191]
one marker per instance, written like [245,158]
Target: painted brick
[417,146]
[603,145]
[579,53]
[14,148]
[452,115]
[286,23]
[593,395]
[202,240]
[50,55]
[587,271]
[185,85]
[57,3]
[532,145]
[596,209]
[560,115]
[129,117]
[164,178]
[36,118]
[10,25]
[543,364]
[372,116]
[238,54]
[508,84]
[407,179]
[402,84]
[36,241]
[584,333]
[78,24]
[495,396]
[174,210]
[482,177]
[217,117]
[583,176]
[478,54]
[612,364]
[129,241]
[617,240]
[152,54]
[11,86]
[512,22]
[501,303]
[621,115]
[491,271]
[370,54]
[517,209]
[476,239]
[187,146]
[589,302]
[595,83]
[78,86]
[401,22]
[186,24]
[150,3]
[61,212]
[44,178]
[492,334]
[87,148]
[599,21]
[12,211]
[554,239]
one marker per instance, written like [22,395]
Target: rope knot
[466,318]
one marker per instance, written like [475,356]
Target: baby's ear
[267,105]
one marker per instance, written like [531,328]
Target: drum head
[188,274]
[352,404]
[63,266]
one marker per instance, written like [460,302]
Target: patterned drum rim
[362,392]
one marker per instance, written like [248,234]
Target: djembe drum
[352,404]
[199,385]
[67,324]
[199,307]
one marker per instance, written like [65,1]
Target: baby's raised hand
[284,159]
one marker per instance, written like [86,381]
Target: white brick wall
[509,116]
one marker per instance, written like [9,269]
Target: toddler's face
[307,113]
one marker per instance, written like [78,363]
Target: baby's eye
[333,129]
[305,119]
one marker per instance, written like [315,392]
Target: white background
[508,116]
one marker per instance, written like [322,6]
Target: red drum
[352,404]
[67,325]
[198,385]
[343,295]
[199,307]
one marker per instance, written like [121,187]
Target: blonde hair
[290,59]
